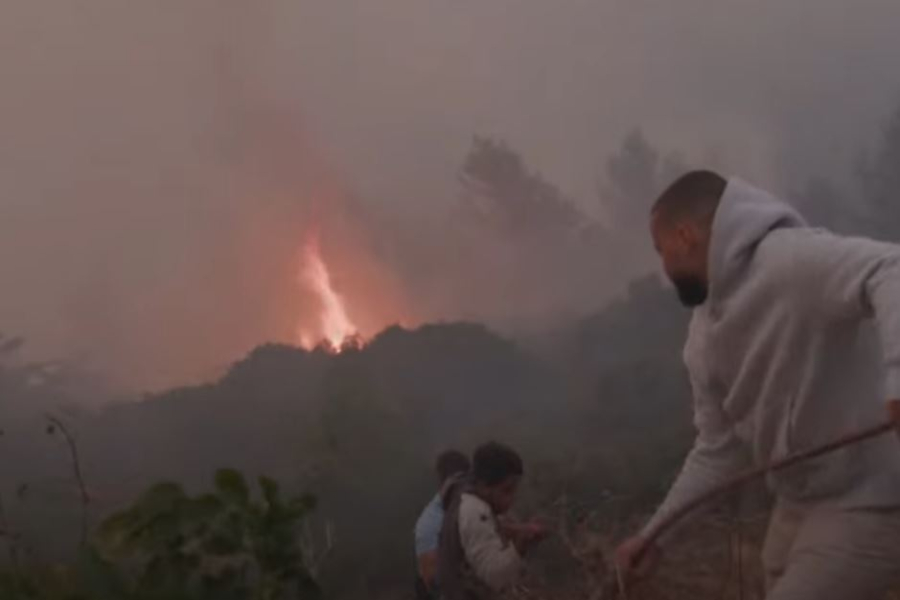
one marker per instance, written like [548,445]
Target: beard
[692,291]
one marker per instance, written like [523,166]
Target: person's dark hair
[450,463]
[493,463]
[694,195]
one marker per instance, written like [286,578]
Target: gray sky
[161,160]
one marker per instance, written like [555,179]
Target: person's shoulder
[473,501]
[792,244]
[474,510]
[431,515]
[784,256]
[791,238]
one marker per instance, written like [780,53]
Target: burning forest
[301,298]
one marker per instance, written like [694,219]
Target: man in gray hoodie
[783,354]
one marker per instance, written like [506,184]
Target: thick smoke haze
[162,161]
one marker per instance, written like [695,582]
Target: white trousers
[824,553]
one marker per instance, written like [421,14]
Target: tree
[634,177]
[504,192]
[527,241]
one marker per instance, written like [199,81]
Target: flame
[336,328]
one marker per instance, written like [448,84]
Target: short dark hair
[694,195]
[494,463]
[450,463]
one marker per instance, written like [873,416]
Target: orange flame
[336,328]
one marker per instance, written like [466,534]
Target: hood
[745,216]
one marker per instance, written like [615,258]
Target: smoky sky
[160,161]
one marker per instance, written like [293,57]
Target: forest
[298,473]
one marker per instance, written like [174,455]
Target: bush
[222,545]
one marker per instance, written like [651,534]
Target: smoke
[162,161]
[156,194]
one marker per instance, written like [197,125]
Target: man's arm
[428,532]
[495,561]
[716,455]
[428,568]
[523,535]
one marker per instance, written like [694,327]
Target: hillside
[603,419]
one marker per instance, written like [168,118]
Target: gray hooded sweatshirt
[785,355]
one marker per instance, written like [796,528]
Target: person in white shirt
[783,355]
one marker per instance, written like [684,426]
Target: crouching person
[478,557]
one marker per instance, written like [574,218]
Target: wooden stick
[724,488]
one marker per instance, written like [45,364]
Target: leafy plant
[54,426]
[224,544]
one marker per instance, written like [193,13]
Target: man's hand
[635,559]
[894,414]
[524,535]
[535,531]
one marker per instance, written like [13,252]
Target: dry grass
[718,558]
[718,561]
